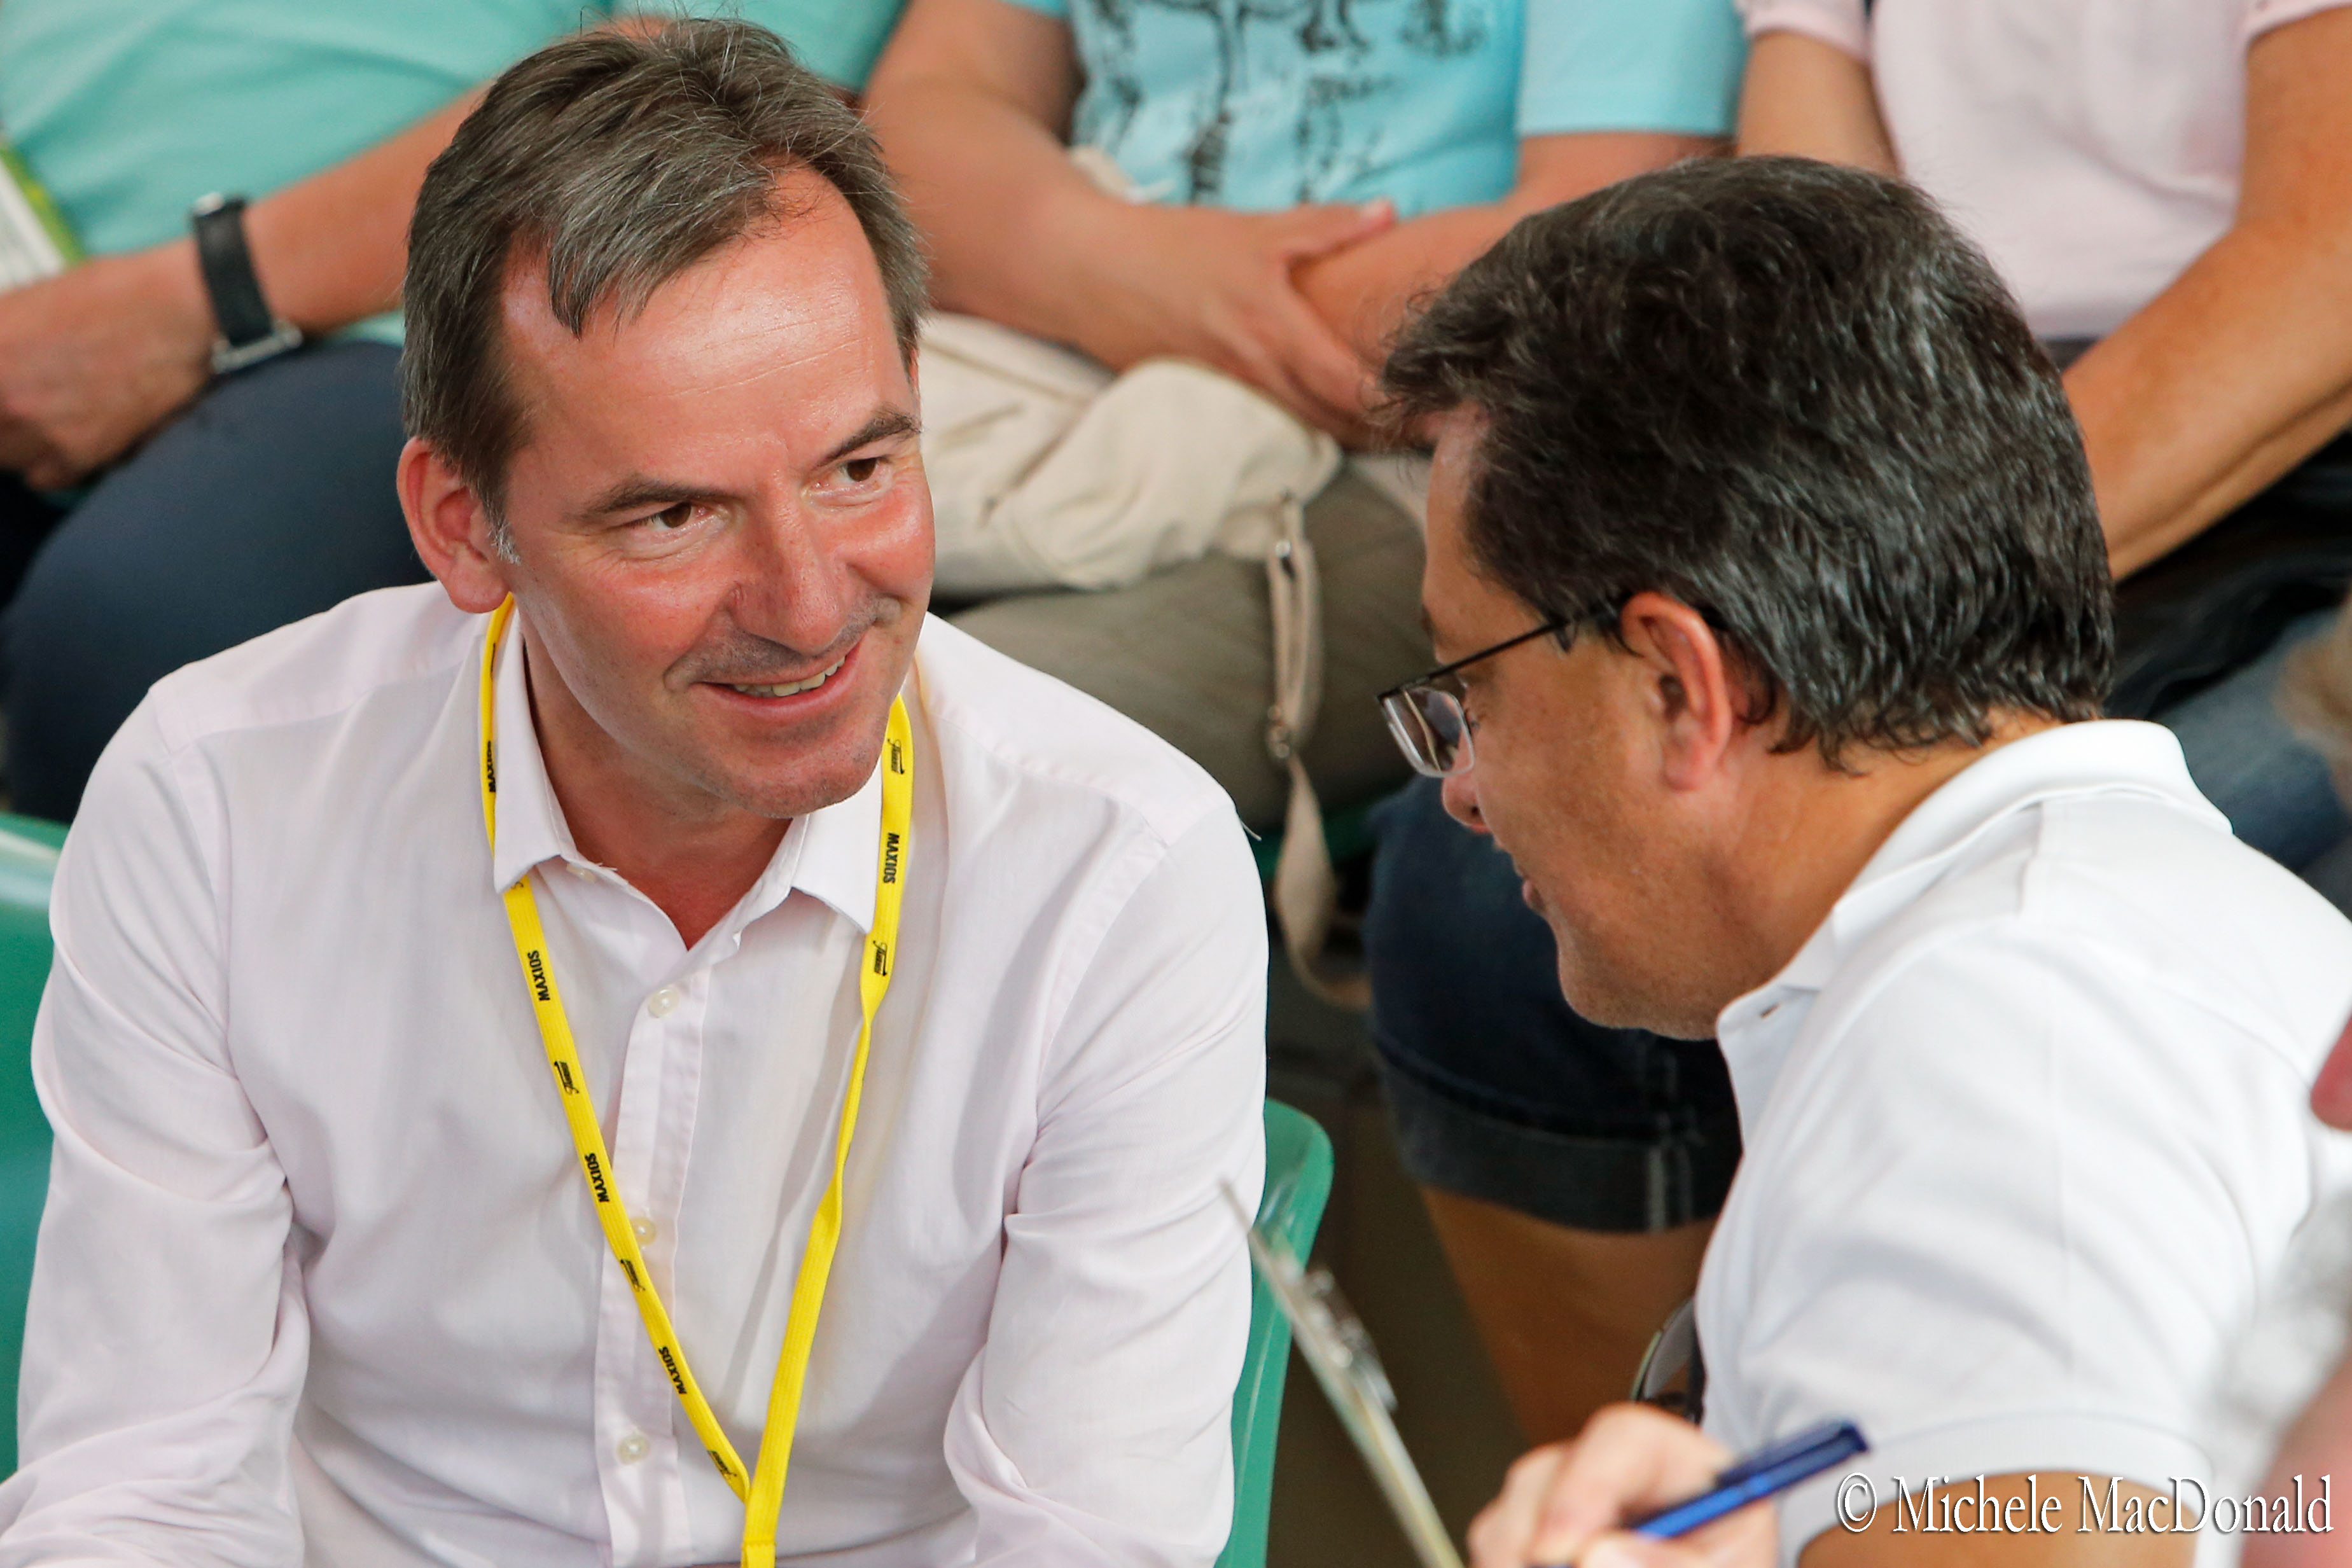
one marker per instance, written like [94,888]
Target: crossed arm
[973,102]
[2243,367]
[93,358]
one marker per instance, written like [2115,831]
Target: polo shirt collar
[2097,757]
[831,854]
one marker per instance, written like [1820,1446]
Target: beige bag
[1047,471]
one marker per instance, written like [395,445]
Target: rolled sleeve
[1630,64]
[1095,1426]
[1841,24]
[2261,15]
[165,1339]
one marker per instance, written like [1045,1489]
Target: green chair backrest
[28,858]
[1298,1182]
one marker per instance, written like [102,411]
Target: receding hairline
[524,280]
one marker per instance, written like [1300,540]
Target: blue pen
[1761,1475]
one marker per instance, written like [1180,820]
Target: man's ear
[451,529]
[1691,691]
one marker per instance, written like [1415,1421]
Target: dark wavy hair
[1792,397]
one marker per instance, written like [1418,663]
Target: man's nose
[1460,792]
[792,589]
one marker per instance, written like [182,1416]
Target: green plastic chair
[1297,1183]
[28,858]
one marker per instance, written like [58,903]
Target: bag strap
[1306,890]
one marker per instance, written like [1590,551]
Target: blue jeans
[2273,788]
[269,499]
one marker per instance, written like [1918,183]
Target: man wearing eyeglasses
[1763,556]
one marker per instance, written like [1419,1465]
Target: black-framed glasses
[1427,716]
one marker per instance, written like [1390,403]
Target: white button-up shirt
[319,1278]
[2025,1132]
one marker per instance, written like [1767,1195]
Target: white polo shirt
[319,1278]
[2025,1131]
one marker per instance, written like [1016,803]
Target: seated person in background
[319,1277]
[1764,558]
[2171,177]
[221,506]
[1305,169]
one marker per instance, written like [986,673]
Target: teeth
[796,687]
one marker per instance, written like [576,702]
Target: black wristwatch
[249,333]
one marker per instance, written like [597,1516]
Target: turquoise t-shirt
[130,109]
[1259,106]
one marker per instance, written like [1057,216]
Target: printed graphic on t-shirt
[1262,103]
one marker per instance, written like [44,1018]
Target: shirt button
[582,872]
[645,1229]
[633,1448]
[664,1002]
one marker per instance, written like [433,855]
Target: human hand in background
[1217,286]
[1565,1503]
[95,358]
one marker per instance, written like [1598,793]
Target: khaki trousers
[1188,652]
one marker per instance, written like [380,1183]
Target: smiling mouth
[794,688]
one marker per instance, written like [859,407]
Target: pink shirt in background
[2091,146]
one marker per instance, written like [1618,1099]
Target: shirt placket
[637,1415]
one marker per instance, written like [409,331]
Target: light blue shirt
[1260,106]
[130,109]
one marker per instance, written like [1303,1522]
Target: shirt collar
[830,854]
[2095,758]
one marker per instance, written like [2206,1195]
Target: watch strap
[249,332]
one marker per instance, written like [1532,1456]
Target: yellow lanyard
[762,1490]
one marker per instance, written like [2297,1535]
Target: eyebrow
[886,424]
[639,491]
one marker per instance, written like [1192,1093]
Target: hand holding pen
[1639,1489]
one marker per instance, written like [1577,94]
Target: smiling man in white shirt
[327,1275]
[1762,546]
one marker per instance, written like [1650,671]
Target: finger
[1622,1550]
[1628,1459]
[40,465]
[1504,1529]
[1315,357]
[54,473]
[1251,361]
[1304,233]
[1748,1538]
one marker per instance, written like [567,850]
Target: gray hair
[620,160]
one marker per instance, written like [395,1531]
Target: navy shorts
[1498,1090]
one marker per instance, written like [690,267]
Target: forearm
[1363,291]
[329,250]
[2223,382]
[996,195]
[2244,366]
[971,102]
[1807,98]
